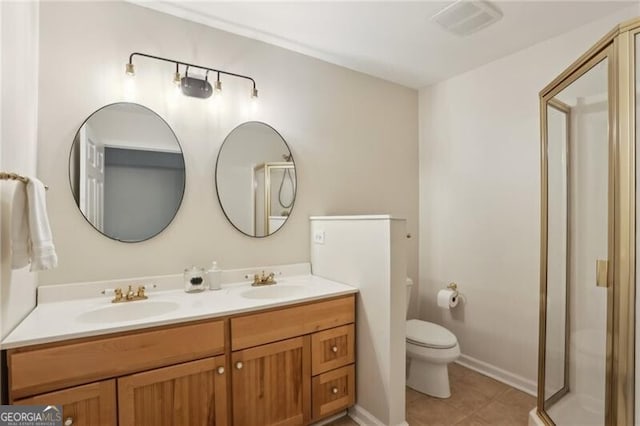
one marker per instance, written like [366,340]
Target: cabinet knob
[334,349]
[334,390]
[220,370]
[239,365]
[68,421]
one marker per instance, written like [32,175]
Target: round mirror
[127,172]
[256,179]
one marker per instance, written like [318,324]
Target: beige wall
[354,137]
[479,200]
[18,141]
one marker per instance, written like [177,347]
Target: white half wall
[18,141]
[354,137]
[369,252]
[479,198]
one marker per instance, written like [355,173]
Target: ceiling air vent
[465,17]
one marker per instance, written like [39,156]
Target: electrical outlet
[318,237]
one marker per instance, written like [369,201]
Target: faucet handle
[116,292]
[142,288]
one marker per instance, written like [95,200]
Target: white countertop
[62,320]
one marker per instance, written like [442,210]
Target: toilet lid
[430,335]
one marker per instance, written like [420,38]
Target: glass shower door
[577,244]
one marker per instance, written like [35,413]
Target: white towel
[43,252]
[20,242]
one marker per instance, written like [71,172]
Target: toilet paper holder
[453,287]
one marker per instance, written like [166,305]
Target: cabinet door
[92,404]
[189,394]
[272,384]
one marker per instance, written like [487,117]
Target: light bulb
[177,79]
[130,70]
[218,86]
[254,93]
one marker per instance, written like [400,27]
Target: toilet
[430,349]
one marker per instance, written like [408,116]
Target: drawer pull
[220,370]
[334,390]
[239,365]
[334,349]
[68,421]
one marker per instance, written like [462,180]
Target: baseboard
[331,418]
[534,419]
[365,418]
[513,380]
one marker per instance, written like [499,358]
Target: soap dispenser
[214,274]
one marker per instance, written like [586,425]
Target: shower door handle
[602,273]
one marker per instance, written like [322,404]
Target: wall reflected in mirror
[256,179]
[127,172]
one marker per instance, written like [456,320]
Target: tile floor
[476,400]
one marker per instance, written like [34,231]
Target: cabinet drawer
[271,326]
[68,364]
[93,404]
[333,391]
[332,348]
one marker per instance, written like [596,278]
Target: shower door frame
[619,49]
[566,110]
[284,165]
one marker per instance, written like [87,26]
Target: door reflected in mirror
[256,179]
[127,172]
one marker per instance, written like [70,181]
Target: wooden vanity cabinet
[283,366]
[92,404]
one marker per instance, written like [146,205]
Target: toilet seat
[429,335]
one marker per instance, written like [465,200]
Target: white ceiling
[393,40]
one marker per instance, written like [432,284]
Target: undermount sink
[128,311]
[276,291]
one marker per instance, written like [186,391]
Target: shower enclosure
[586,372]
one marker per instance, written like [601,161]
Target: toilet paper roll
[447,299]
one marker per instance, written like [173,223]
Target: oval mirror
[256,179]
[127,172]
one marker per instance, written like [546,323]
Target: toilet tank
[409,283]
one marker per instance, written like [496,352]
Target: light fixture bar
[254,91]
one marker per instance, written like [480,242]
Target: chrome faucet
[263,279]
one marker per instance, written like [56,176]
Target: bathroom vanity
[264,359]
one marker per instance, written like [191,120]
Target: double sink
[58,316]
[138,310]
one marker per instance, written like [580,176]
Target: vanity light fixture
[193,86]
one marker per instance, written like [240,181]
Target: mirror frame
[77,202]
[215,172]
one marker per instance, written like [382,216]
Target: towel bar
[15,176]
